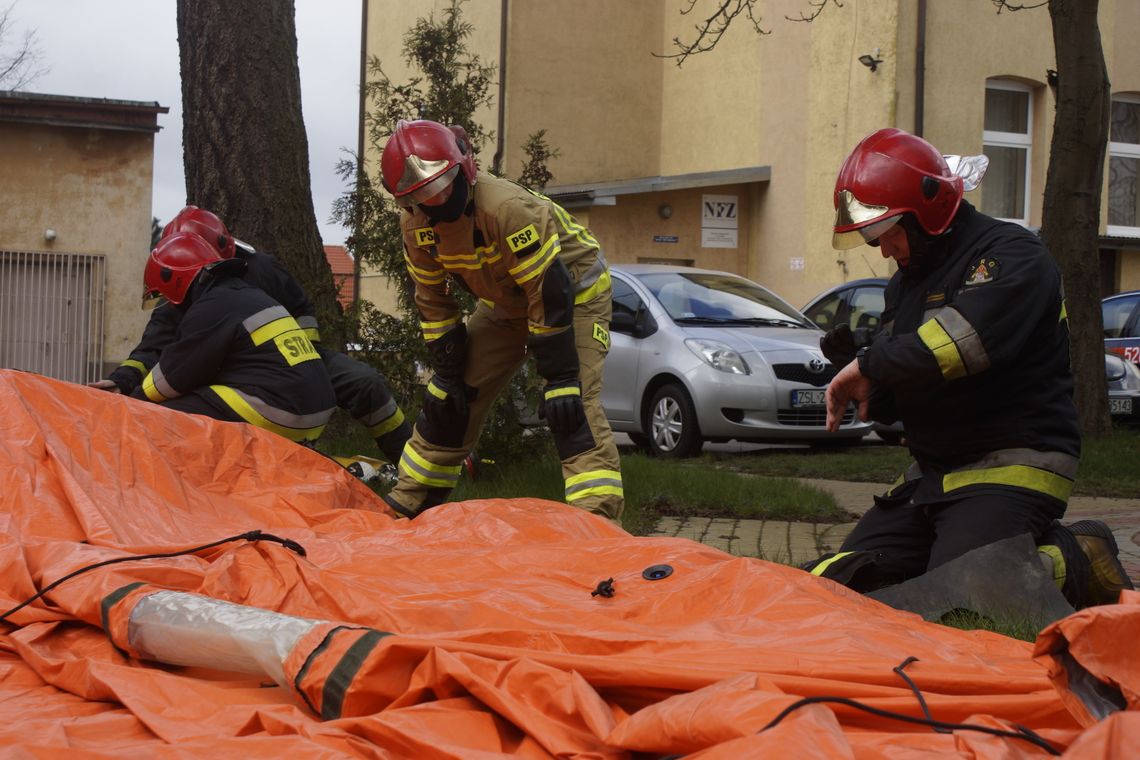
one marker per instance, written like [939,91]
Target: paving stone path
[795,543]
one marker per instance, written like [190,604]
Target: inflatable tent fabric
[469,632]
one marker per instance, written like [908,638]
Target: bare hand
[849,385]
[104,385]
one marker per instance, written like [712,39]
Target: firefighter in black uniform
[237,354]
[360,389]
[973,358]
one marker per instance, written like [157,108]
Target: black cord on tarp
[252,535]
[940,726]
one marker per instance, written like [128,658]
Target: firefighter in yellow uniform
[543,287]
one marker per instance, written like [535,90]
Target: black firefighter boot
[1093,574]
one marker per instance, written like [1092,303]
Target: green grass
[1110,466]
[655,488]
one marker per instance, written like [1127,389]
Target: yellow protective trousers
[496,349]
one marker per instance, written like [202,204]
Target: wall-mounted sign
[719,217]
[665,239]
[714,238]
[719,211]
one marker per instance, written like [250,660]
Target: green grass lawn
[1110,466]
[655,488]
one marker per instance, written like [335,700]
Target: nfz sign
[719,211]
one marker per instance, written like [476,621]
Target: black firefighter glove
[448,354]
[562,407]
[556,359]
[445,402]
[840,343]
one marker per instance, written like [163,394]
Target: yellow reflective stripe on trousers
[388,425]
[1059,568]
[234,400]
[427,473]
[1018,475]
[594,483]
[1064,312]
[821,568]
[934,336]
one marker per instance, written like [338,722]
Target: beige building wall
[92,186]
[793,102]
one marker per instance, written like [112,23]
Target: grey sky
[128,50]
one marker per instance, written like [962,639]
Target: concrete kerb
[794,543]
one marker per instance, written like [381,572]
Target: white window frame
[1122,150]
[1015,140]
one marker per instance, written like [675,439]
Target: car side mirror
[623,322]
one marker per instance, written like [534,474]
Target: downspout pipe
[497,162]
[361,106]
[920,69]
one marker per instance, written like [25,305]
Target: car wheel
[672,424]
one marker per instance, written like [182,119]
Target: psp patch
[602,335]
[986,270]
[424,236]
[525,238]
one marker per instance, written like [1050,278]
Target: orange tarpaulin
[469,632]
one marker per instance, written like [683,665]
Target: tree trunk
[1071,217]
[244,144]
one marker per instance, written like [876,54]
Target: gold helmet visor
[427,190]
[857,223]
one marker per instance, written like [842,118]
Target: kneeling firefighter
[973,359]
[543,287]
[237,355]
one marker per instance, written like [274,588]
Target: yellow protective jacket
[502,251]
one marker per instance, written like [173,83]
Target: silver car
[700,355]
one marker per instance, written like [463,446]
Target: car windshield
[702,298]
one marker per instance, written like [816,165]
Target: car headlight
[718,355]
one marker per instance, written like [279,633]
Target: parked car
[699,355]
[1123,388]
[860,303]
[1121,316]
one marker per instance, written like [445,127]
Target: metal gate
[51,314]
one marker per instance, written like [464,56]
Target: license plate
[1120,406]
[805,399]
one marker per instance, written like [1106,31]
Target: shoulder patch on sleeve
[424,236]
[527,237]
[985,270]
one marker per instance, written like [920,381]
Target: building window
[1008,142]
[1123,167]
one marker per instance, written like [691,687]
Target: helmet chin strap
[455,205]
[925,249]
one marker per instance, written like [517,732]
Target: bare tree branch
[713,28]
[1007,5]
[817,8]
[20,67]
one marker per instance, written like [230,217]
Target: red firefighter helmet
[890,173]
[174,263]
[205,224]
[422,158]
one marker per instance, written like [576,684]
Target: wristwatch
[861,357]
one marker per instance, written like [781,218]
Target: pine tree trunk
[244,144]
[1071,217]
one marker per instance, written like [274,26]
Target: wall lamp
[871,61]
[665,211]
